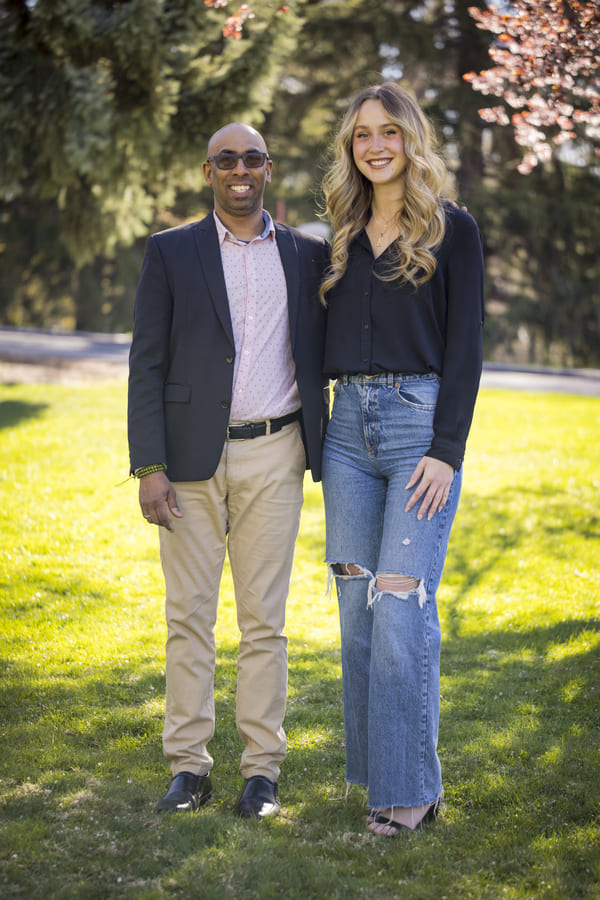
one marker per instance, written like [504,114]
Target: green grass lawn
[82,680]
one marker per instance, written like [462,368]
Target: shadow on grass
[13,412]
[514,525]
[82,765]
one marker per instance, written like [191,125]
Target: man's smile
[240,188]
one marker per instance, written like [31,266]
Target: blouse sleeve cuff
[447,455]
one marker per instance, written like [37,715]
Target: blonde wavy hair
[348,194]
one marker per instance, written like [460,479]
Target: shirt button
[229,359]
[225,404]
[366,326]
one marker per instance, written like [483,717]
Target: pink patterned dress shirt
[264,377]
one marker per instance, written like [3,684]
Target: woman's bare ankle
[409,816]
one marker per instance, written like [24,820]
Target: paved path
[29,345]
[105,355]
[31,355]
[563,381]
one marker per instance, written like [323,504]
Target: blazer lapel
[209,252]
[288,251]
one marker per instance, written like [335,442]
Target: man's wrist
[149,470]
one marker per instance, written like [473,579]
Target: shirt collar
[226,235]
[362,238]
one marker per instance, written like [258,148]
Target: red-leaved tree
[234,25]
[547,68]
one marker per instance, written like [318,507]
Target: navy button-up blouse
[379,326]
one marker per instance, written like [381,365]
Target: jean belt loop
[390,379]
[268,424]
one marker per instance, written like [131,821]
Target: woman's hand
[434,478]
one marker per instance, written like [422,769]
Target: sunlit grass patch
[82,680]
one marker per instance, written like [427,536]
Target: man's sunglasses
[252,159]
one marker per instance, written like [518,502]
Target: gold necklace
[379,241]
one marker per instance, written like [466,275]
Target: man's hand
[158,499]
[435,479]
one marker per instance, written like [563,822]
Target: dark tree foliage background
[106,107]
[105,110]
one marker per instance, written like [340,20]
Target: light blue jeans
[381,426]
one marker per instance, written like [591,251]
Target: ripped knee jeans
[386,565]
[398,585]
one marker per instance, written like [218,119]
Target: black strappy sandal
[429,817]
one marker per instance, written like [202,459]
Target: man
[227,408]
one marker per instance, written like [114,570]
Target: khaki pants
[253,503]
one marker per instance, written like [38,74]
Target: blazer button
[225,404]
[229,359]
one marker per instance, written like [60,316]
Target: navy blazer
[182,351]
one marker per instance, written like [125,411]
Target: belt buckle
[244,435]
[246,431]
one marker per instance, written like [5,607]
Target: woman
[405,311]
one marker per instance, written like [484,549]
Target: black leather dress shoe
[259,798]
[186,793]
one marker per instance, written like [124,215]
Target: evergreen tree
[542,261]
[105,107]
[105,110]
[539,249]
[343,47]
